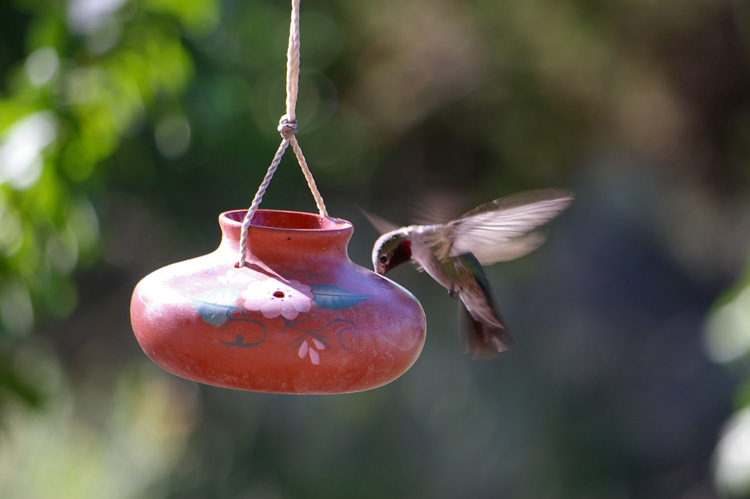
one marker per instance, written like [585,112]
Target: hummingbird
[453,254]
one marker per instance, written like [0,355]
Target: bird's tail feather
[482,340]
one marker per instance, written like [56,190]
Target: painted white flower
[240,277]
[273,297]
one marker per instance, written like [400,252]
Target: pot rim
[312,221]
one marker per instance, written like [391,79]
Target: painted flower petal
[273,297]
[303,305]
[287,309]
[302,288]
[303,349]
[314,357]
[270,309]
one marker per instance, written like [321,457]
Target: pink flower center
[278,294]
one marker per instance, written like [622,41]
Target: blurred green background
[127,126]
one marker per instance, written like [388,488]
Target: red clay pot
[299,317]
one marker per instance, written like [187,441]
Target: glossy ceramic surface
[299,317]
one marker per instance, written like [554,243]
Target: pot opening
[278,219]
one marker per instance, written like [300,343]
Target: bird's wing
[501,230]
[436,206]
[381,225]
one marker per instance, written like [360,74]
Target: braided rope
[287,128]
[308,176]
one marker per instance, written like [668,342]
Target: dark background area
[127,127]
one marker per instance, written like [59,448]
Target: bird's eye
[383,259]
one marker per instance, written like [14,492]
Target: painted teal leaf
[335,298]
[216,306]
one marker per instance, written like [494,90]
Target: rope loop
[287,128]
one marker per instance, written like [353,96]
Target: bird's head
[390,251]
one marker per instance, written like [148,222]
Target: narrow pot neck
[275,234]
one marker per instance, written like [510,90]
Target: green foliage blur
[83,79]
[127,126]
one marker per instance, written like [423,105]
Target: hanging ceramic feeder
[298,317]
[279,306]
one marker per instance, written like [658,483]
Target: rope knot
[287,128]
